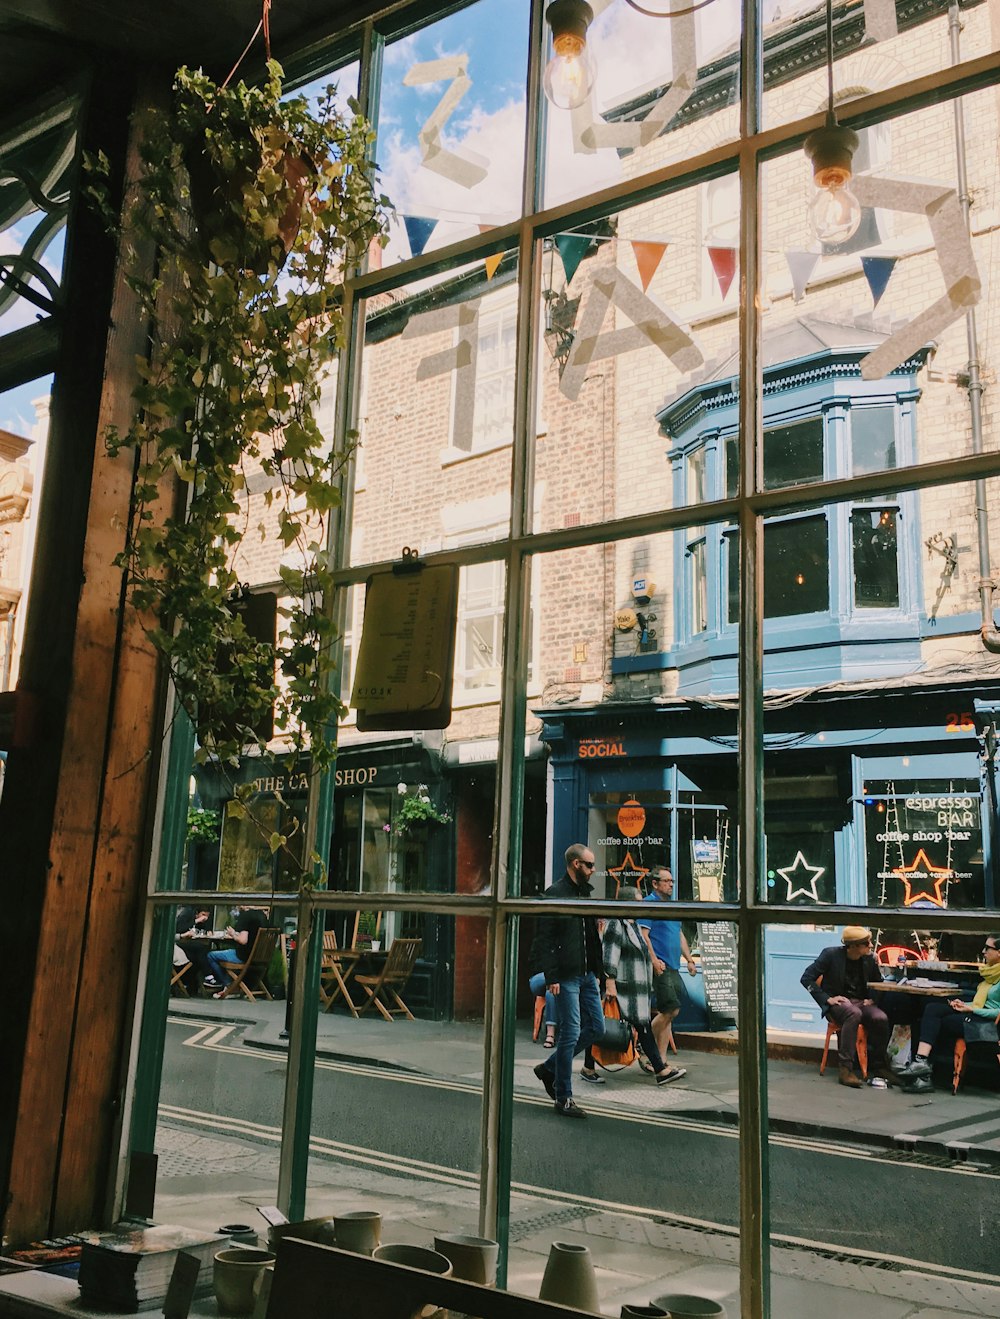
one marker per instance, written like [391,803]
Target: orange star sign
[920,871]
[627,873]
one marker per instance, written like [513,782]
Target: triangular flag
[572,249]
[878,270]
[491,263]
[723,261]
[801,265]
[418,229]
[647,257]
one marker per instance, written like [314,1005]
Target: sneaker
[671,1074]
[210,982]
[566,1108]
[545,1076]
[592,1077]
[914,1068]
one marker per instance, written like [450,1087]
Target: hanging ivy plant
[257,207]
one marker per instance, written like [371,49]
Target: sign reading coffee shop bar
[717,944]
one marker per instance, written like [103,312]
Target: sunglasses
[990,948]
[589,864]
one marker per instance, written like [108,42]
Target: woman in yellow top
[948,1017]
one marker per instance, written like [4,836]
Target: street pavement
[212,1177]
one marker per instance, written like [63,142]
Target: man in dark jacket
[567,950]
[846,999]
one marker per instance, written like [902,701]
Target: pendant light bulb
[835,212]
[570,73]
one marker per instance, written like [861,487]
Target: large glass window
[580,465]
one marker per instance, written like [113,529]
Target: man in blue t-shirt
[667,945]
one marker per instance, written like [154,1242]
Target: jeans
[580,1019]
[216,959]
[940,1018]
[537,986]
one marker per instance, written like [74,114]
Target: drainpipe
[988,632]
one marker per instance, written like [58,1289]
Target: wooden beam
[73,808]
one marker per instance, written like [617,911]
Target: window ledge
[450,455]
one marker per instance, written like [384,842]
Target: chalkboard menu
[717,942]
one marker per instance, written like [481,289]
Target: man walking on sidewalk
[846,999]
[567,950]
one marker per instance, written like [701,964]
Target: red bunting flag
[723,261]
[647,257]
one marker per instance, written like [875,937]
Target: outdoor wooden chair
[177,981]
[391,979]
[336,969]
[250,977]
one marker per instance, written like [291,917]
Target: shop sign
[600,748]
[276,784]
[631,819]
[706,869]
[921,843]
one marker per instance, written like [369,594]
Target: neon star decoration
[626,871]
[920,871]
[795,873]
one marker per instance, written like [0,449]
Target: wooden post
[80,772]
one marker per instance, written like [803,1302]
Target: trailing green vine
[257,208]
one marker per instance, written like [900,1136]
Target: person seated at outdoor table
[190,922]
[845,999]
[243,933]
[628,976]
[948,1017]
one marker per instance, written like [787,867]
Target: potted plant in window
[257,207]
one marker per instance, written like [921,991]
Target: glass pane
[24,426]
[635,1222]
[451,126]
[437,414]
[646,107]
[34,200]
[874,48]
[878,706]
[862,339]
[217,1157]
[400,1139]
[639,381]
[345,80]
[918,1066]
[642,769]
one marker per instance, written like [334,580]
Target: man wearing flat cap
[838,981]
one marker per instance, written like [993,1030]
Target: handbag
[616,1047]
[979,1030]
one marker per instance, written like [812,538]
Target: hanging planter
[240,186]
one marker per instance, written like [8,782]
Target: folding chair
[177,982]
[254,969]
[391,979]
[336,968]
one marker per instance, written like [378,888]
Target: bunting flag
[491,263]
[801,265]
[418,230]
[878,271]
[648,256]
[572,249]
[723,261]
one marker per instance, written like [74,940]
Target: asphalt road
[842,1196]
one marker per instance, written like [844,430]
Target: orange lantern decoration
[631,819]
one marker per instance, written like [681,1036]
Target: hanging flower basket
[415,811]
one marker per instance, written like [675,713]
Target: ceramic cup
[376,945]
[241,1234]
[236,1270]
[414,1257]
[679,1305]
[472,1258]
[360,1231]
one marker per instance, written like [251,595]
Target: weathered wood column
[77,798]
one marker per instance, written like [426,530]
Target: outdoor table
[922,991]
